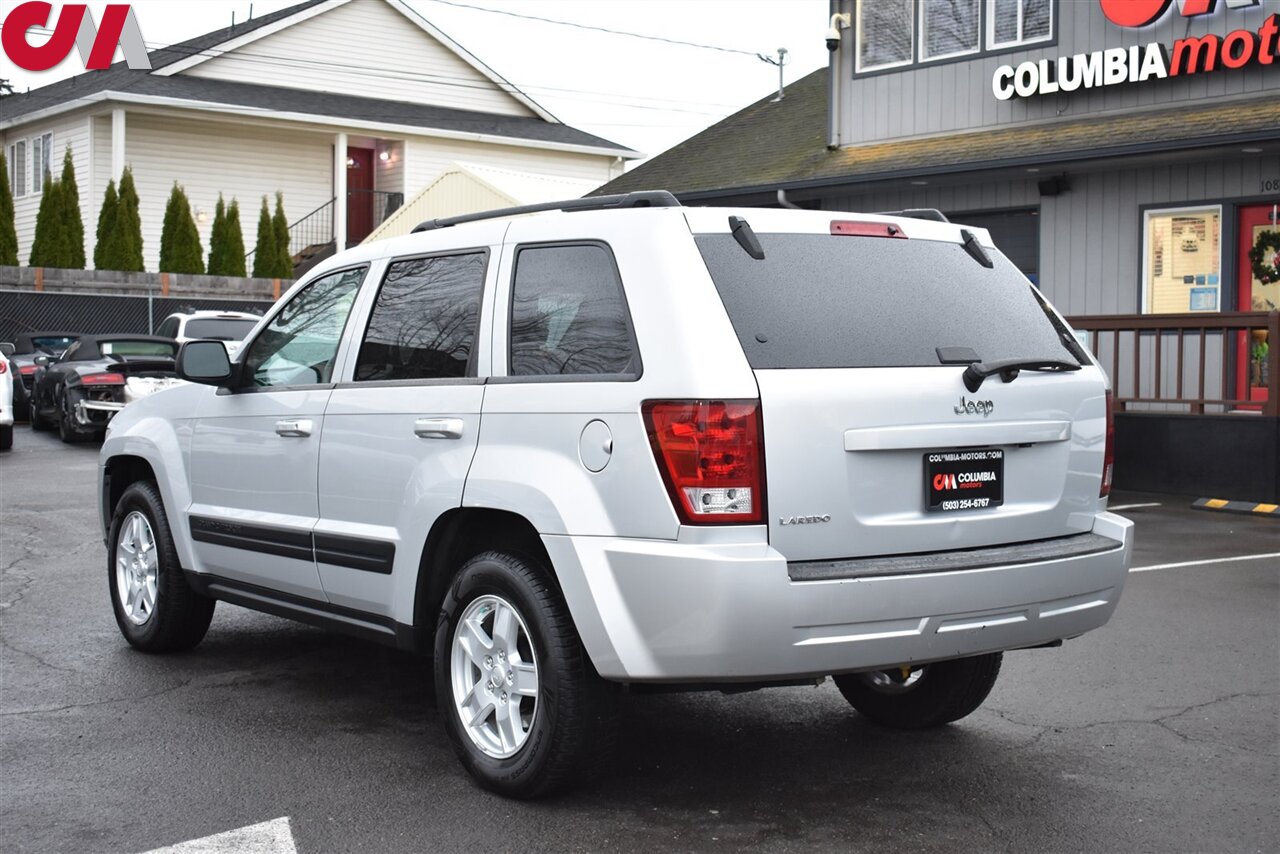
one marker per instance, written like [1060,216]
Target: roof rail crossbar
[641,199]
[917,213]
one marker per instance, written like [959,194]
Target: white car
[633,443]
[229,327]
[6,397]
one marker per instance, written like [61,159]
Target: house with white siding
[347,107]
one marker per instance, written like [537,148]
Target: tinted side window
[424,323]
[168,329]
[301,342]
[568,314]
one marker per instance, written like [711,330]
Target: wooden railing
[1234,366]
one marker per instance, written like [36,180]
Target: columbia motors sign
[1141,63]
[73,28]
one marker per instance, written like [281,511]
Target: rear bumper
[662,611]
[96,413]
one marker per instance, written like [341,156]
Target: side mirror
[7,349]
[42,360]
[204,362]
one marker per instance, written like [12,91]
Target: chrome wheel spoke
[474,641]
[526,682]
[505,629]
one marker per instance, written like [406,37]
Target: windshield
[820,301]
[125,347]
[219,329]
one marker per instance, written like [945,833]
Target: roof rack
[917,213]
[642,199]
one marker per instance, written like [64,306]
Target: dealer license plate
[963,480]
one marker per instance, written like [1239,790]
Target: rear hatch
[859,336]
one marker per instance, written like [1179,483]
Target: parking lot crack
[130,699]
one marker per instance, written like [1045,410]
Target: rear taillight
[27,370]
[102,379]
[711,456]
[1109,455]
[4,365]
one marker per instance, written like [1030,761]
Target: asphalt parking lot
[1159,732]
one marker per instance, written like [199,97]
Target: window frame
[921,37]
[858,67]
[1021,41]
[42,143]
[19,173]
[1147,214]
[985,48]
[509,377]
[243,381]
[471,377]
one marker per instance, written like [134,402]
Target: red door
[1255,296]
[359,194]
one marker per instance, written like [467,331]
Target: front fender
[158,430]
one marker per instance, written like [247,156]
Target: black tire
[6,437]
[572,732]
[38,422]
[181,616]
[67,430]
[942,692]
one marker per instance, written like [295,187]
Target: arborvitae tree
[105,246]
[8,231]
[218,240]
[69,197]
[281,226]
[129,226]
[266,260]
[179,238]
[235,264]
[51,246]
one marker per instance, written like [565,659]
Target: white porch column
[340,191]
[117,143]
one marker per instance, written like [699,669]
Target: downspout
[839,22]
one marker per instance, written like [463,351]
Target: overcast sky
[645,94]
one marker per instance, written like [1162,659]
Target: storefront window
[1015,22]
[1183,260]
[948,28]
[885,30]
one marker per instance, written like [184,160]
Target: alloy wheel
[494,671]
[137,568]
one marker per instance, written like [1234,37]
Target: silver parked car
[632,443]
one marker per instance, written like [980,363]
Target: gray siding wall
[1091,240]
[950,96]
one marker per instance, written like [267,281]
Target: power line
[594,28]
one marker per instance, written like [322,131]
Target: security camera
[838,22]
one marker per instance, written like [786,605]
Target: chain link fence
[29,311]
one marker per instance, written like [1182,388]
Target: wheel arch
[457,535]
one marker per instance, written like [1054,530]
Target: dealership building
[1125,154]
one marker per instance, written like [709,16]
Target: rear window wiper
[974,248]
[1008,369]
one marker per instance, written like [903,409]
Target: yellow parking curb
[1253,508]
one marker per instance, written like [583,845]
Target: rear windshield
[819,301]
[220,329]
[52,345]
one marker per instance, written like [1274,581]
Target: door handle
[297,429]
[438,428]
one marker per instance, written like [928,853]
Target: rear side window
[820,301]
[568,314]
[424,324]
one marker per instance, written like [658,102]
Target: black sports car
[95,378]
[26,347]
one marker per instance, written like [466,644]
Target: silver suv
[627,443]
